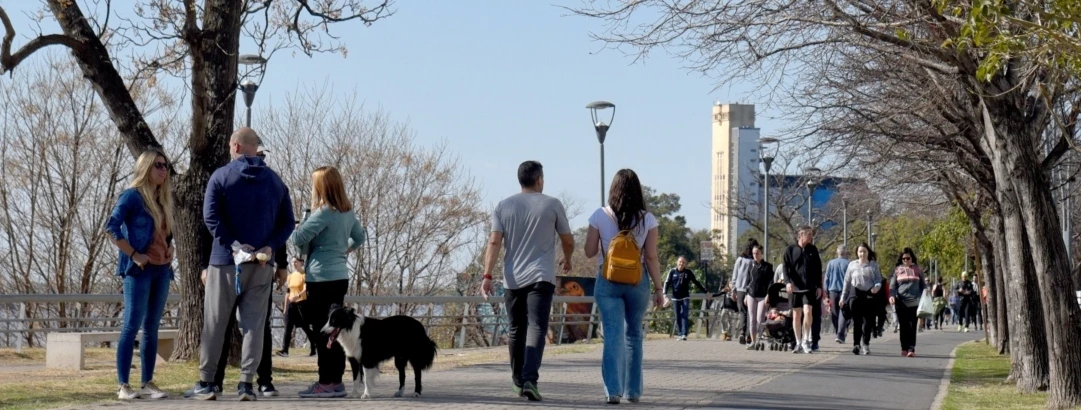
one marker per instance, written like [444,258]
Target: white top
[608,229]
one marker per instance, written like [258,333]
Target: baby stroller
[777,328]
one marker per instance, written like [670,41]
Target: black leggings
[294,319]
[864,312]
[906,316]
[316,310]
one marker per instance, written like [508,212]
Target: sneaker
[966,330]
[752,346]
[856,350]
[268,390]
[244,392]
[312,354]
[806,347]
[904,353]
[150,390]
[839,341]
[203,391]
[634,399]
[865,350]
[814,347]
[517,390]
[911,353]
[531,392]
[323,391]
[959,328]
[125,392]
[282,353]
[612,400]
[684,337]
[797,349]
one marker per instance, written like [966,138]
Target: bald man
[246,207]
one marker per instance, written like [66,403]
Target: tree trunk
[1016,162]
[998,294]
[1028,352]
[213,81]
[989,278]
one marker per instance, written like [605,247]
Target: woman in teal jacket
[327,238]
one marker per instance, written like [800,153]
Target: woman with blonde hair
[325,240]
[141,226]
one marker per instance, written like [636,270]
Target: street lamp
[874,238]
[602,130]
[869,239]
[812,183]
[767,161]
[254,68]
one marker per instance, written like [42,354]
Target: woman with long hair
[141,226]
[623,306]
[938,299]
[739,284]
[862,282]
[325,239]
[761,276]
[906,288]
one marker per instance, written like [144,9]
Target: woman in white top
[859,299]
[622,307]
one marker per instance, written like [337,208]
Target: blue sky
[506,81]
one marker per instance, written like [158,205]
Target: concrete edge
[944,384]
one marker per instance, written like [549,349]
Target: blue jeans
[622,308]
[145,293]
[683,308]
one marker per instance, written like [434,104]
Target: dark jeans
[840,322]
[742,304]
[529,308]
[864,312]
[907,317]
[316,311]
[294,319]
[682,308]
[263,372]
[816,320]
[967,313]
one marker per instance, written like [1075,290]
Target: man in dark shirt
[966,294]
[679,284]
[803,274]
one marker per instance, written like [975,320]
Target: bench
[67,350]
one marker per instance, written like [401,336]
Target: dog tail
[426,354]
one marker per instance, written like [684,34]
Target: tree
[200,43]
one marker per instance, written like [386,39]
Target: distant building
[734,167]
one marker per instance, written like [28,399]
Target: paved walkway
[687,375]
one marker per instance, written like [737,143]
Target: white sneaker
[150,390]
[807,347]
[865,350]
[125,392]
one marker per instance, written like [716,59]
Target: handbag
[926,307]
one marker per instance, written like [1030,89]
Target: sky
[502,82]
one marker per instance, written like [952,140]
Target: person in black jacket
[803,271]
[760,278]
[679,283]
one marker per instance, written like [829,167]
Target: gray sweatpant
[220,302]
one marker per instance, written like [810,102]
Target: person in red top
[884,301]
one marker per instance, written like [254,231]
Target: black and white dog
[369,341]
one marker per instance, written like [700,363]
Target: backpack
[623,261]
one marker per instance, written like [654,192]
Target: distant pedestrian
[739,283]
[906,289]
[679,284]
[966,297]
[141,226]
[861,284]
[623,305]
[938,300]
[835,281]
[293,307]
[803,269]
[528,225]
[760,280]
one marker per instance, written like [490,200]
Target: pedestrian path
[678,374]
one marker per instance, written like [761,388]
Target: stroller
[777,328]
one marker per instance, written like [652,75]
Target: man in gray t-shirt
[527,224]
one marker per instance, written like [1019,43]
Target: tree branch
[9,61]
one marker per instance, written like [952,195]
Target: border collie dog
[370,341]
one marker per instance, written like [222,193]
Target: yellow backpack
[623,261]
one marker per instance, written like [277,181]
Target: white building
[735,167]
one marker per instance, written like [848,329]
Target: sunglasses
[161,166]
[906,258]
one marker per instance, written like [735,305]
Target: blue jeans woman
[622,308]
[140,225]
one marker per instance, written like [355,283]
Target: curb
[944,384]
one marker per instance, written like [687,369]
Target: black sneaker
[202,391]
[268,390]
[530,391]
[283,353]
[244,392]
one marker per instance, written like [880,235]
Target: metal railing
[457,321]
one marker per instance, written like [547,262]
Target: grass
[25,384]
[978,382]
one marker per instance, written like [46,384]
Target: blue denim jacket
[131,221]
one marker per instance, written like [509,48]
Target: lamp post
[767,155]
[869,239]
[812,183]
[601,127]
[254,68]
[844,218]
[874,237]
